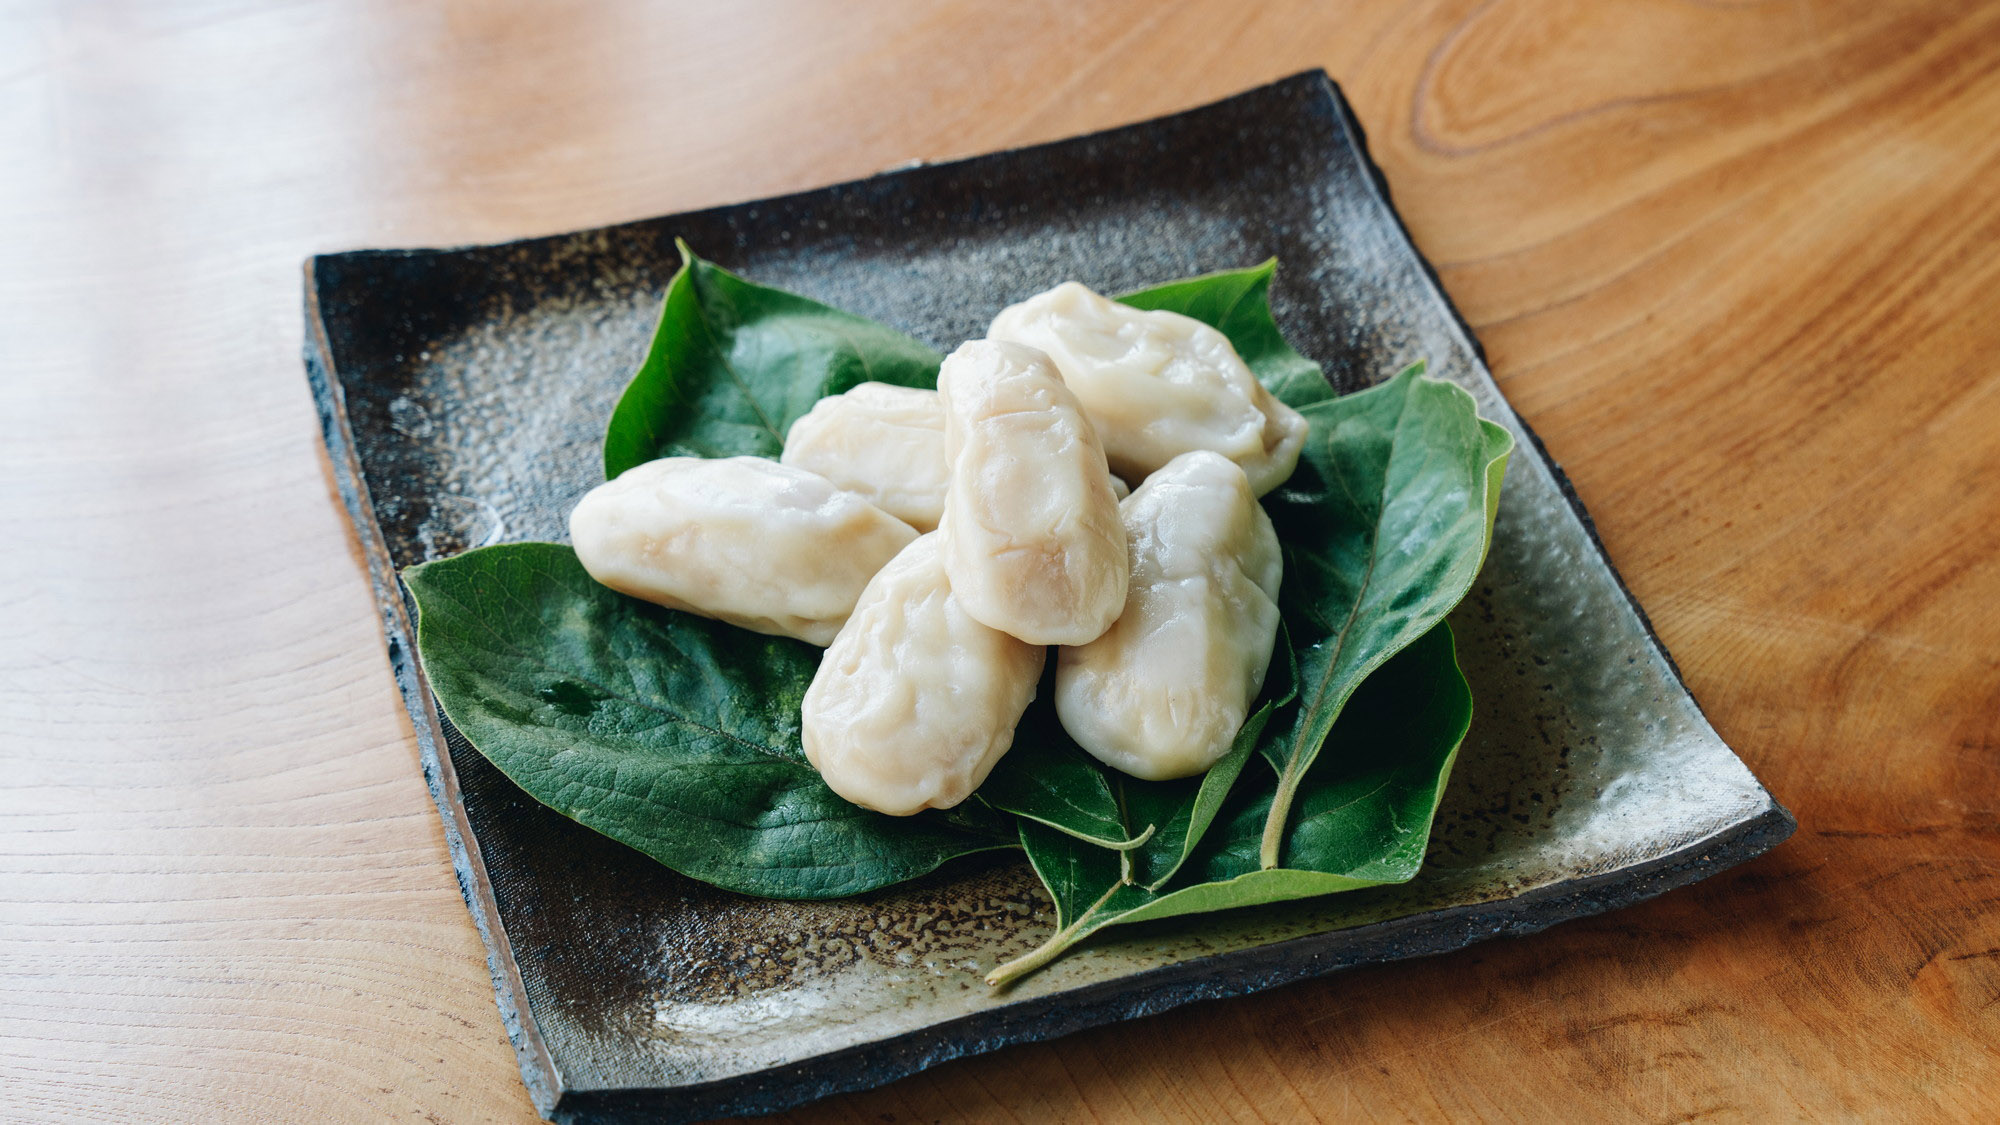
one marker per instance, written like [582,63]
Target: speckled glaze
[464,393]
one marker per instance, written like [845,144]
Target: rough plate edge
[1219,976]
[538,1070]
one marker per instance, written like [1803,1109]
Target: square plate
[463,394]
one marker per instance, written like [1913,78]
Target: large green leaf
[1362,818]
[1384,527]
[734,363]
[671,733]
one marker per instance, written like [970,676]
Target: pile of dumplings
[937,543]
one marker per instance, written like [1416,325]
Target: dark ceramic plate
[464,393]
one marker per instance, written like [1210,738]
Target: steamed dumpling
[1158,384]
[881,441]
[745,540]
[915,701]
[1163,693]
[1032,539]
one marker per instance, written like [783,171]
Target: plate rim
[1215,976]
[1235,973]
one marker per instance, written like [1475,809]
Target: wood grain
[1735,261]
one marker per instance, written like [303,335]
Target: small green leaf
[733,364]
[671,733]
[1363,815]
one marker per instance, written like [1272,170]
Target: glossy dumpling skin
[915,701]
[879,440]
[1158,384]
[1032,539]
[745,540]
[1163,693]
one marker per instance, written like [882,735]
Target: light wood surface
[1738,262]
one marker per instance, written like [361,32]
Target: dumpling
[1032,539]
[745,540]
[885,443]
[1158,384]
[879,440]
[915,701]
[1163,693]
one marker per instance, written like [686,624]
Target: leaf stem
[1051,949]
[1281,811]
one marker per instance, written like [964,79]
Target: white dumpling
[885,443]
[1032,539]
[915,701]
[1158,384]
[745,540]
[879,440]
[1163,693]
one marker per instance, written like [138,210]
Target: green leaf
[669,732]
[679,735]
[1384,526]
[733,364]
[1363,815]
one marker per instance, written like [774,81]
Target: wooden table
[1738,263]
